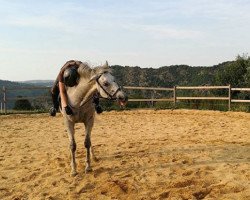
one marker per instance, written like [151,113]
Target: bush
[22,104]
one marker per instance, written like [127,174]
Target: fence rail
[201,87]
[203,98]
[21,98]
[148,88]
[30,88]
[240,89]
[174,98]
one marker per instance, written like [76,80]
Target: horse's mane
[85,69]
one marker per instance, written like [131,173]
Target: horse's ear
[106,65]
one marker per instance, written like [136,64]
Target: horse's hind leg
[72,145]
[87,142]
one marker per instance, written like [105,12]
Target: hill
[43,83]
[12,84]
[166,76]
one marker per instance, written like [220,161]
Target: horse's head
[106,85]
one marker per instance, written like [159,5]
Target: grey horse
[80,97]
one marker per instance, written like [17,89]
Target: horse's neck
[81,93]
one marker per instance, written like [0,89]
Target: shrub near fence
[173,97]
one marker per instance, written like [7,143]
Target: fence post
[1,100]
[229,97]
[153,97]
[4,100]
[174,96]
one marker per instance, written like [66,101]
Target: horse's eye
[106,84]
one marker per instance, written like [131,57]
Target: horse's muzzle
[122,99]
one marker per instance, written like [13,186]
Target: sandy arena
[144,154]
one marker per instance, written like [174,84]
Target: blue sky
[38,37]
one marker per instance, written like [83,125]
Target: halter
[110,96]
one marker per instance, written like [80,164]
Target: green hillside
[165,76]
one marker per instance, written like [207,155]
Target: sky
[38,37]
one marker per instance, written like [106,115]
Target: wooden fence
[173,99]
[5,100]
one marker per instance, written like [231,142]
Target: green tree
[247,75]
[22,104]
[234,73]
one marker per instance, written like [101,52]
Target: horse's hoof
[73,174]
[88,169]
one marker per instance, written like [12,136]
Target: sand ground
[143,154]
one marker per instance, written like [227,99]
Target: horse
[92,81]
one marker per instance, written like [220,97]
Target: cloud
[215,9]
[160,32]
[36,22]
[164,32]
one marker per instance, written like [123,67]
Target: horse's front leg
[87,142]
[72,145]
